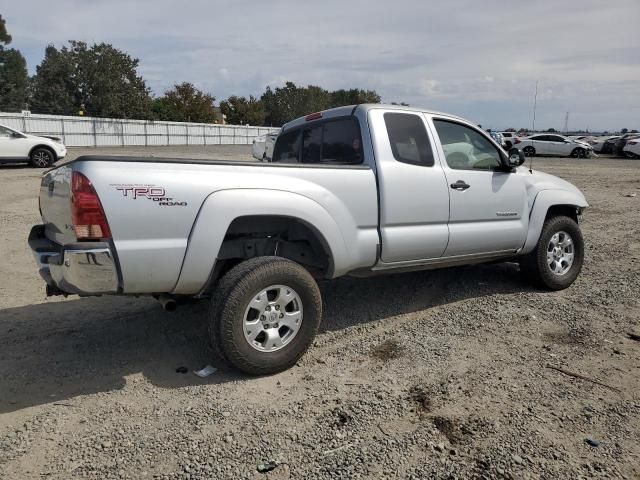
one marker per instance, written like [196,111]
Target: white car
[39,151]
[262,148]
[632,148]
[508,139]
[555,145]
[598,143]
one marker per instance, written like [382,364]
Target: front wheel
[529,151]
[265,313]
[41,158]
[579,153]
[557,259]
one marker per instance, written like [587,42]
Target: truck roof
[351,109]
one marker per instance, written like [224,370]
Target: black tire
[529,151]
[232,297]
[41,157]
[508,144]
[579,153]
[535,265]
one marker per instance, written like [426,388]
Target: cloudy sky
[478,59]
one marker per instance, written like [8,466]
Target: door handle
[460,185]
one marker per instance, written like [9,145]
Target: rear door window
[408,138]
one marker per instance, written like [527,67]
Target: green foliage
[53,85]
[354,96]
[4,35]
[240,110]
[286,103]
[185,103]
[624,130]
[100,80]
[14,80]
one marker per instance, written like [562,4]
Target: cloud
[476,59]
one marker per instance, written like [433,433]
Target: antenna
[533,125]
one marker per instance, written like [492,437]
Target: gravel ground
[441,374]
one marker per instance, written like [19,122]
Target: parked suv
[39,151]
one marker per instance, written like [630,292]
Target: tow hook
[167,302]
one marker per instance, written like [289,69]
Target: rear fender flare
[221,208]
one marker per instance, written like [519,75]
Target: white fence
[112,132]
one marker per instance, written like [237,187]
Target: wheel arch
[231,221]
[46,147]
[550,203]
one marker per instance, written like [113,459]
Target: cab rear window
[334,141]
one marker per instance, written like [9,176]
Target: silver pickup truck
[361,190]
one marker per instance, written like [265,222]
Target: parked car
[618,148]
[609,144]
[39,151]
[509,139]
[632,148]
[598,144]
[552,144]
[359,190]
[263,146]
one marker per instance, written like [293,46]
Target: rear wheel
[529,151]
[557,259]
[41,158]
[265,314]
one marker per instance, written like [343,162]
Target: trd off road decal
[148,192]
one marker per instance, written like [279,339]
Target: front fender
[543,201]
[224,206]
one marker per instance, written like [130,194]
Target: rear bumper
[77,268]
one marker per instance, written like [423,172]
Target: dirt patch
[387,350]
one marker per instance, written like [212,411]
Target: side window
[5,132]
[466,149]
[341,142]
[408,138]
[311,143]
[287,147]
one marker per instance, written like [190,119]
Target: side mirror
[516,157]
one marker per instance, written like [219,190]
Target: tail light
[516,141]
[313,116]
[89,220]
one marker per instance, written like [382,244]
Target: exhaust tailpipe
[167,302]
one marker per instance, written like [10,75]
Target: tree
[4,35]
[623,131]
[100,79]
[185,103]
[53,84]
[289,102]
[354,96]
[551,130]
[14,80]
[240,111]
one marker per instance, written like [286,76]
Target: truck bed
[168,216]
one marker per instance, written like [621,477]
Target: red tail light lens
[313,116]
[89,220]
[516,141]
